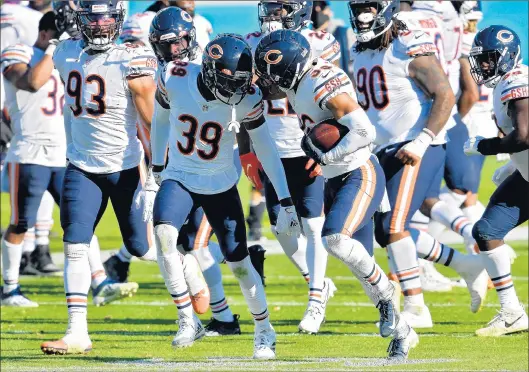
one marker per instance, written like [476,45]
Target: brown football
[327,134]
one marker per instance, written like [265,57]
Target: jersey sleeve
[415,44]
[514,85]
[15,54]
[253,107]
[328,81]
[466,45]
[142,62]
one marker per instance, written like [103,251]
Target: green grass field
[136,333]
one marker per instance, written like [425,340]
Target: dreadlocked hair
[383,41]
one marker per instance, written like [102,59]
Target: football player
[396,73]
[354,188]
[102,102]
[496,63]
[206,106]
[173,38]
[202,25]
[303,175]
[20,26]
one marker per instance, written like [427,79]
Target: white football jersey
[200,142]
[323,82]
[513,85]
[103,127]
[395,104]
[432,26]
[480,119]
[454,29]
[137,26]
[20,25]
[203,29]
[36,118]
[280,117]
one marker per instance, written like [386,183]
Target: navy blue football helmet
[281,58]
[367,25]
[94,22]
[495,52]
[65,16]
[227,68]
[173,35]
[283,14]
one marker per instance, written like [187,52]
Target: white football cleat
[399,349]
[477,281]
[69,344]
[16,298]
[189,331]
[428,270]
[110,291]
[507,321]
[417,316]
[264,343]
[315,313]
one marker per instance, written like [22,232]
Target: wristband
[429,132]
[157,168]
[50,49]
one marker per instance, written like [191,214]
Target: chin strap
[234,124]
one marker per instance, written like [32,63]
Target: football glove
[312,151]
[288,222]
[502,173]
[251,166]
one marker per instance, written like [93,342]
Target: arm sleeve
[361,134]
[15,54]
[266,151]
[159,134]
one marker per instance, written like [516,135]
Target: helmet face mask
[227,68]
[371,19]
[283,14]
[100,22]
[173,35]
[495,52]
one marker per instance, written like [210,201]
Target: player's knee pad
[482,232]
[165,237]
[137,248]
[20,228]
[239,253]
[312,227]
[381,236]
[75,251]
[338,245]
[77,233]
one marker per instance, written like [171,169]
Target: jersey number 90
[373,87]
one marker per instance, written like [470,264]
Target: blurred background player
[304,178]
[495,60]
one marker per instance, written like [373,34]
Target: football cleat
[16,298]
[315,313]
[27,267]
[41,260]
[507,321]
[428,269]
[110,291]
[117,270]
[196,283]
[217,328]
[69,344]
[476,278]
[399,349]
[264,343]
[257,256]
[417,316]
[388,314]
[189,331]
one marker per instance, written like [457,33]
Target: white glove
[502,173]
[471,145]
[287,222]
[500,158]
[150,189]
[51,47]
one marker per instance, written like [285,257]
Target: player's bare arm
[28,78]
[143,89]
[427,72]
[469,90]
[518,139]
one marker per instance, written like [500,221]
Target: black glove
[311,150]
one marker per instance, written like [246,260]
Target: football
[327,134]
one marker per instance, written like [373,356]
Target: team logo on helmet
[186,17]
[226,72]
[215,51]
[505,36]
[273,57]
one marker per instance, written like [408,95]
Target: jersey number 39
[210,133]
